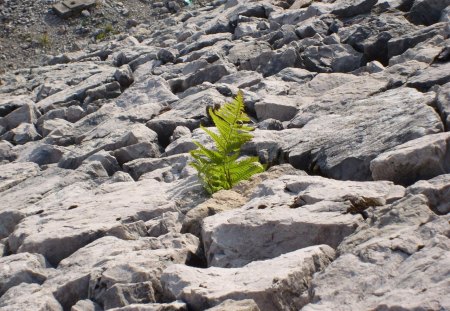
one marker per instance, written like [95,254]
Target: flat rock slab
[12,174]
[70,7]
[401,260]
[421,158]
[290,213]
[341,145]
[74,212]
[276,284]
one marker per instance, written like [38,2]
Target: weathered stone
[394,262]
[27,113]
[21,268]
[13,174]
[128,270]
[6,151]
[349,8]
[22,134]
[331,58]
[276,284]
[86,305]
[290,213]
[437,190]
[433,75]
[173,306]
[152,90]
[124,76]
[443,104]
[29,297]
[427,12]
[421,158]
[341,146]
[236,305]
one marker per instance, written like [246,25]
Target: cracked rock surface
[100,209]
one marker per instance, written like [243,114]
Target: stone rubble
[100,209]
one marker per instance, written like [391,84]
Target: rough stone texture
[237,305]
[399,260]
[21,268]
[173,306]
[29,297]
[437,190]
[290,213]
[94,163]
[276,284]
[421,158]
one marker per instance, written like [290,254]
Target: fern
[221,168]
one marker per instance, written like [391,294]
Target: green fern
[221,168]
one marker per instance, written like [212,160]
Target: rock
[422,158]
[124,76]
[137,151]
[80,211]
[108,91]
[167,55]
[290,213]
[6,151]
[85,305]
[180,131]
[41,154]
[22,134]
[173,306]
[29,297]
[335,149]
[13,174]
[398,45]
[115,273]
[21,268]
[349,8]
[236,305]
[282,108]
[168,222]
[74,113]
[331,58]
[295,75]
[139,167]
[154,89]
[27,113]
[393,262]
[437,190]
[242,79]
[433,75]
[49,126]
[10,103]
[443,104]
[276,284]
[426,12]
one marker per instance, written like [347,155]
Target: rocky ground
[100,209]
[31,30]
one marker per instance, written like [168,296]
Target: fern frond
[221,169]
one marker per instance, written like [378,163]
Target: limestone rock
[21,268]
[394,262]
[421,158]
[437,190]
[273,284]
[291,213]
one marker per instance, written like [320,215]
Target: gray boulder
[331,58]
[291,213]
[437,190]
[276,284]
[422,158]
[395,262]
[22,268]
[427,12]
